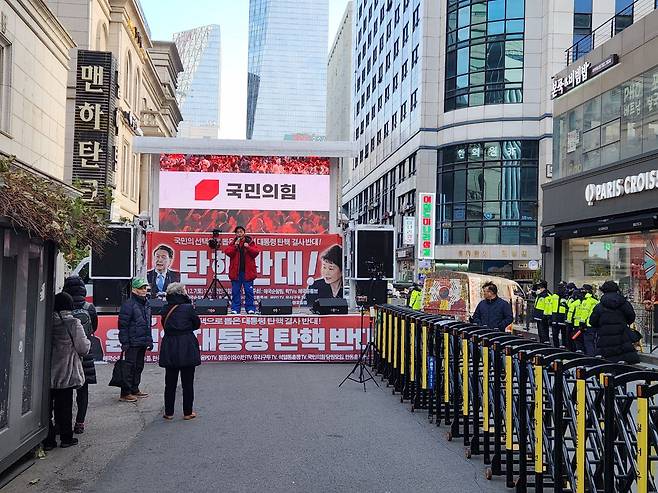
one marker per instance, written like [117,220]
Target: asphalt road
[287,427]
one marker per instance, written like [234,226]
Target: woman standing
[86,313]
[179,352]
[69,344]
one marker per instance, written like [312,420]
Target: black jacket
[152,278]
[493,314]
[135,322]
[610,321]
[75,286]
[320,289]
[180,347]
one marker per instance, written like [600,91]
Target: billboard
[297,267]
[265,194]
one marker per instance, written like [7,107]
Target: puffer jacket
[69,344]
[610,322]
[135,322]
[75,286]
[180,347]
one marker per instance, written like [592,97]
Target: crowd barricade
[543,418]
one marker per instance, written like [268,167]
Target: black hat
[334,255]
[63,302]
[541,284]
[609,287]
[587,287]
[572,285]
[75,286]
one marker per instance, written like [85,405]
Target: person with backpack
[68,344]
[86,313]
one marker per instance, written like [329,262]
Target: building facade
[143,98]
[453,99]
[601,209]
[287,69]
[339,81]
[34,66]
[199,86]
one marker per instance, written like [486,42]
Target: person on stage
[161,275]
[243,252]
[330,285]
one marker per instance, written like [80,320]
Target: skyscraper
[199,85]
[287,79]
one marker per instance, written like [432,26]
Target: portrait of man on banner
[330,284]
[161,275]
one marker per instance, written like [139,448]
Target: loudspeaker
[116,259]
[374,256]
[330,306]
[275,306]
[157,305]
[211,307]
[110,292]
[376,291]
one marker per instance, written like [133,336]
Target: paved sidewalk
[280,427]
[110,429]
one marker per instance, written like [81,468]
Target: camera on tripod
[214,241]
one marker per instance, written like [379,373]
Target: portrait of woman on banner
[330,284]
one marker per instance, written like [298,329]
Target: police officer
[558,317]
[416,297]
[583,312]
[542,310]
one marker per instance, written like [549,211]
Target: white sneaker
[251,312]
[233,312]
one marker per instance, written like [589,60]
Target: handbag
[121,373]
[164,322]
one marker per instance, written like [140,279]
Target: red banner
[331,338]
[287,264]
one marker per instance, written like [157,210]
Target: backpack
[82,314]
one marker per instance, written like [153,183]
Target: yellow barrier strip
[423,363]
[509,427]
[642,445]
[378,332]
[385,329]
[465,377]
[389,342]
[402,346]
[398,321]
[412,352]
[485,388]
[539,412]
[580,435]
[446,367]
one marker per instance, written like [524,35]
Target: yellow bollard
[446,367]
[398,321]
[581,387]
[509,425]
[412,352]
[402,345]
[538,419]
[423,363]
[642,440]
[389,342]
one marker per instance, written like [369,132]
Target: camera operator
[243,252]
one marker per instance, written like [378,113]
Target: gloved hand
[149,347]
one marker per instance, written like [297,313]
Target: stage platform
[302,336]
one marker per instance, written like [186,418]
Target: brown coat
[69,344]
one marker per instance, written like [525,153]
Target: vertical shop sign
[426,226]
[94,128]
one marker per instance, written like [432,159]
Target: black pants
[62,409]
[558,331]
[542,329]
[135,355]
[82,400]
[171,382]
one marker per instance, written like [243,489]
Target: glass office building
[287,78]
[198,92]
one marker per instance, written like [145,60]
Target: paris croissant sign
[642,182]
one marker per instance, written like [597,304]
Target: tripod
[361,362]
[212,287]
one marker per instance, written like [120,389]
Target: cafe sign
[94,126]
[642,182]
[426,225]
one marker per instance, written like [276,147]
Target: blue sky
[166,17]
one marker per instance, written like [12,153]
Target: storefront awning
[600,227]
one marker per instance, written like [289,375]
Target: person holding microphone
[243,252]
